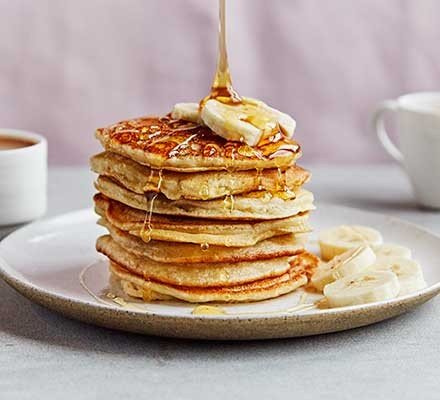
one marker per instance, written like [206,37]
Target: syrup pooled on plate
[208,310]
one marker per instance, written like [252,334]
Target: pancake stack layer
[194,217]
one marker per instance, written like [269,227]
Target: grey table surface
[46,356]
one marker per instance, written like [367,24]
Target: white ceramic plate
[54,263]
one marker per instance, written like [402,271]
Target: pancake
[196,274]
[135,286]
[252,206]
[201,186]
[161,142]
[193,230]
[169,252]
[132,290]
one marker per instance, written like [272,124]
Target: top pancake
[164,143]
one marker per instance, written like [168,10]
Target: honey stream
[221,88]
[272,144]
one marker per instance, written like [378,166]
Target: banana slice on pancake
[362,288]
[248,122]
[339,239]
[187,111]
[348,263]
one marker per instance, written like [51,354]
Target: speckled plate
[54,263]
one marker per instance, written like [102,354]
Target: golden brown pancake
[194,230]
[201,186]
[164,143]
[170,252]
[136,286]
[196,274]
[249,206]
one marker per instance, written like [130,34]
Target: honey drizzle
[230,164]
[274,141]
[208,310]
[175,151]
[204,191]
[204,246]
[281,184]
[106,294]
[229,203]
[167,134]
[221,88]
[150,213]
[146,233]
[259,179]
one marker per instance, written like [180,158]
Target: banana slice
[362,288]
[187,111]
[339,239]
[392,250]
[348,263]
[247,122]
[408,272]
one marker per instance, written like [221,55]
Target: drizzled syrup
[249,110]
[147,228]
[208,310]
[172,139]
[204,246]
[169,138]
[221,88]
[229,203]
[260,179]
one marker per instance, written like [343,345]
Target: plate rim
[26,287]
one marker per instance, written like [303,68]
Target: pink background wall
[67,67]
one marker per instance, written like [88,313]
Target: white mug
[23,178]
[418,132]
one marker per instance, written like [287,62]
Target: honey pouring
[251,128]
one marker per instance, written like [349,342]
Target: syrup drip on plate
[208,310]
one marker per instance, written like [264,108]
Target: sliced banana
[348,263]
[337,240]
[247,122]
[362,288]
[408,272]
[392,250]
[187,112]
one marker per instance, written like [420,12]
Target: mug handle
[382,134]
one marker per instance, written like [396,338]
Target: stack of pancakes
[194,217]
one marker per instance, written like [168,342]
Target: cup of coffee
[23,176]
[418,136]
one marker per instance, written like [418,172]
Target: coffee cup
[23,176]
[418,138]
